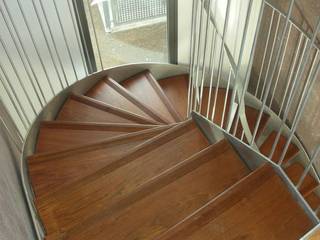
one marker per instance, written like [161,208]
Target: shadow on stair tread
[256,207]
[52,171]
[85,109]
[313,200]
[74,203]
[294,172]
[147,90]
[61,135]
[111,92]
[169,198]
[266,147]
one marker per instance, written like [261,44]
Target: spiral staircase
[126,161]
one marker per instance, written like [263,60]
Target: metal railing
[278,36]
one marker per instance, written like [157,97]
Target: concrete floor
[142,44]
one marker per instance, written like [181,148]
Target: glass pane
[128,31]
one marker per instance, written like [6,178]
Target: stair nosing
[154,83]
[267,173]
[90,125]
[92,146]
[160,181]
[129,96]
[119,162]
[107,107]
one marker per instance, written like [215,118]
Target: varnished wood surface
[61,135]
[147,90]
[258,207]
[73,204]
[294,172]
[266,147]
[111,92]
[50,172]
[85,109]
[313,200]
[189,188]
[176,89]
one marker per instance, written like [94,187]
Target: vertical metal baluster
[47,44]
[264,54]
[192,52]
[211,62]
[33,41]
[204,54]
[23,117]
[290,98]
[248,72]
[95,34]
[290,76]
[53,41]
[198,56]
[4,46]
[271,54]
[77,37]
[278,56]
[22,58]
[280,67]
[65,38]
[20,139]
[302,105]
[225,27]
[307,169]
[226,98]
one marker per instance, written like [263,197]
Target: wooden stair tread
[61,135]
[111,92]
[294,172]
[73,204]
[147,90]
[313,200]
[258,207]
[85,109]
[176,89]
[50,172]
[266,147]
[220,105]
[252,115]
[173,201]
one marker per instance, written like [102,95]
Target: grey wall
[15,223]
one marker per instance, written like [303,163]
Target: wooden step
[169,198]
[50,172]
[176,89]
[294,172]
[61,135]
[313,200]
[220,106]
[147,90]
[257,207]
[88,197]
[266,147]
[85,109]
[252,115]
[111,92]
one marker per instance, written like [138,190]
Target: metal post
[264,54]
[225,27]
[65,38]
[95,34]
[192,52]
[204,53]
[77,37]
